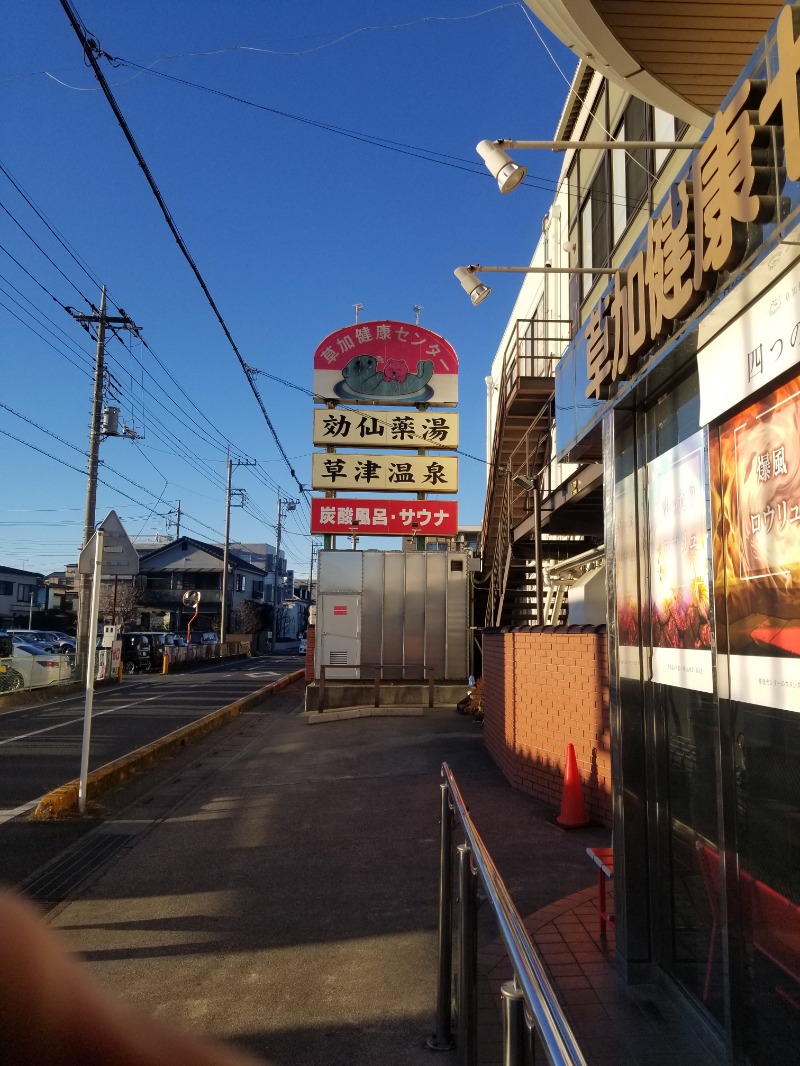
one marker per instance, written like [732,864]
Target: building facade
[682,370]
[678,396]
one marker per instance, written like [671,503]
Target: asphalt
[276,885]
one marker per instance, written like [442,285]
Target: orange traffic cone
[573,811]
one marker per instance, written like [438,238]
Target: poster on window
[677,612]
[626,577]
[759,557]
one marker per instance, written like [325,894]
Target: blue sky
[289,222]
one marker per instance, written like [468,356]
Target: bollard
[165,664]
[467,960]
[516,1034]
[442,1040]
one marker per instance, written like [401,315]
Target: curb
[316,717]
[64,800]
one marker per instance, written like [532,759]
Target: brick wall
[311,636]
[546,687]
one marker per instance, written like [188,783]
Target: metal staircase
[519,548]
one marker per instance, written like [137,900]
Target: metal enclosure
[406,612]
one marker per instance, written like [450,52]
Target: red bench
[772,920]
[604,859]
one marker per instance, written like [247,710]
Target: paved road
[40,745]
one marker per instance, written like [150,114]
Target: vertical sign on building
[385,384]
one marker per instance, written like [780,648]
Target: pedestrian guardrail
[192,653]
[530,1009]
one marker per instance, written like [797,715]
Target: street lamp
[478,291]
[290,505]
[510,174]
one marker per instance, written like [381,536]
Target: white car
[39,667]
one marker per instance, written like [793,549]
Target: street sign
[120,558]
[384,517]
[384,473]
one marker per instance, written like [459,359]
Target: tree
[125,605]
[251,617]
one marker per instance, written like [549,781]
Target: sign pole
[99,537]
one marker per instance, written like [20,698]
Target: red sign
[385,518]
[386,362]
[339,610]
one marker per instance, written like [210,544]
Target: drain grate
[60,879]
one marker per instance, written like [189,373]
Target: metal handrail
[377,668]
[530,978]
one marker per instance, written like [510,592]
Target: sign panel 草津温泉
[757,557]
[386,362]
[343,428]
[385,517]
[679,587]
[384,472]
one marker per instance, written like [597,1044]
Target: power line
[44,253]
[46,341]
[89,48]
[428,155]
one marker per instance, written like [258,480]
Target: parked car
[39,667]
[302,645]
[63,641]
[159,640]
[10,679]
[51,639]
[136,652]
[205,638]
[33,636]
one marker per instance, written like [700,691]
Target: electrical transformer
[406,612]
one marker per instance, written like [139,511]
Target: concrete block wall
[544,688]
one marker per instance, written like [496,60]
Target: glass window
[757,567]
[678,631]
[663,130]
[573,191]
[619,198]
[595,237]
[600,215]
[6,588]
[637,161]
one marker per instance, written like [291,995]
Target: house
[167,573]
[20,593]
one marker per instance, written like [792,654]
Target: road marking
[72,721]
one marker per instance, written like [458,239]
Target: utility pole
[290,506]
[178,522]
[223,625]
[311,572]
[223,628]
[85,645]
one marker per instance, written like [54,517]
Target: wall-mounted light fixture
[478,291]
[509,174]
[524,482]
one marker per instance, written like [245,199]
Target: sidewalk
[281,892]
